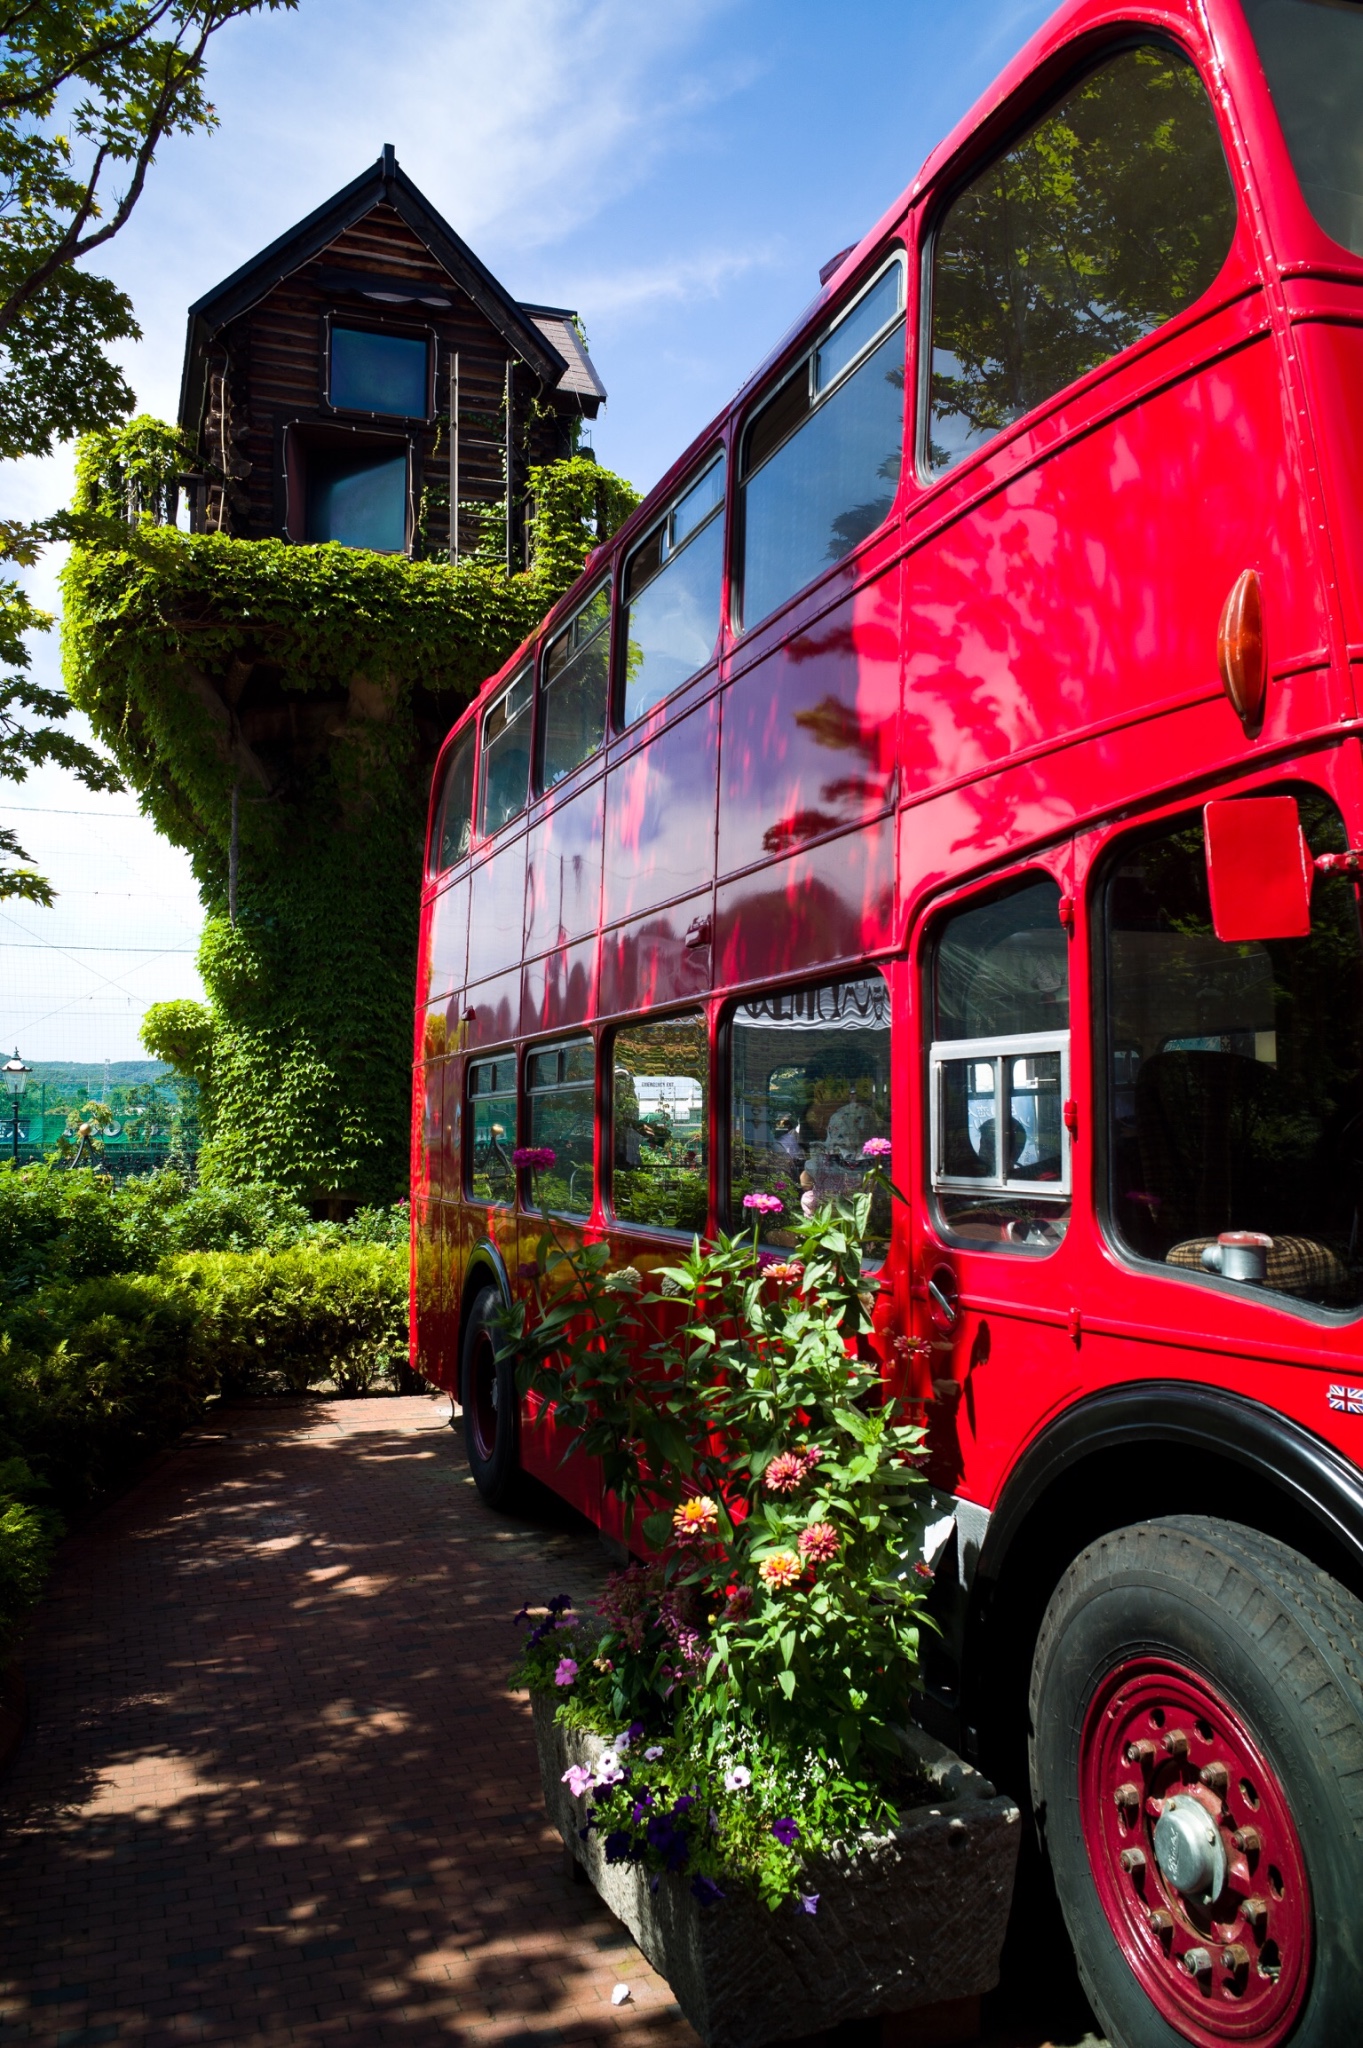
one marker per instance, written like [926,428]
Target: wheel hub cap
[1195,1856]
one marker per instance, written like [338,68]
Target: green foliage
[27,1535]
[310,1313]
[181,1034]
[311,990]
[740,1417]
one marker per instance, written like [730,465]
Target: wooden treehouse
[365,372]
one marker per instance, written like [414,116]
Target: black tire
[1282,1644]
[487,1395]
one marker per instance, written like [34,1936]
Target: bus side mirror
[1259,868]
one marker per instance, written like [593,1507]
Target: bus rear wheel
[1197,1769]
[487,1395]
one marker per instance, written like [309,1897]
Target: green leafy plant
[739,1413]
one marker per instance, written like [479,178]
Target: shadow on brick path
[274,1788]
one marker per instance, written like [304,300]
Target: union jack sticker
[1346,1400]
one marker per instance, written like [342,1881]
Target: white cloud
[616,297]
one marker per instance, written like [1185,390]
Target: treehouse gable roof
[543,338]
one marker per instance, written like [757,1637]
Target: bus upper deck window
[1111,215]
[506,753]
[492,1129]
[1235,1071]
[660,1124]
[809,1087]
[1312,52]
[821,457]
[560,1096]
[454,818]
[672,592]
[575,677]
[999,1071]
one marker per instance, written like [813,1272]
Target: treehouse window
[672,592]
[821,458]
[358,497]
[1109,216]
[379,373]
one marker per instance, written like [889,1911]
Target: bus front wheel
[487,1394]
[1196,1717]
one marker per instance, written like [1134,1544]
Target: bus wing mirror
[1259,868]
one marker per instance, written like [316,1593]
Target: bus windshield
[1312,54]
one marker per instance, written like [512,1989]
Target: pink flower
[876,1148]
[766,1205]
[788,1469]
[785,1270]
[538,1158]
[739,1604]
[738,1779]
[578,1779]
[819,1542]
[567,1671]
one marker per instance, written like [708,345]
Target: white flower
[738,1779]
[608,1771]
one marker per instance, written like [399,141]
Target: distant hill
[88,1075]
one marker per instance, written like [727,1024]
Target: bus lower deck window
[560,1100]
[660,1122]
[1235,1071]
[809,1089]
[492,1129]
[998,1071]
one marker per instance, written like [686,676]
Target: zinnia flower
[782,1568]
[786,1832]
[819,1542]
[876,1148]
[788,1468]
[738,1606]
[738,1779]
[696,1520]
[784,1270]
[578,1779]
[566,1673]
[538,1158]
[766,1205]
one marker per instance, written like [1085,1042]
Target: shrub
[741,1417]
[308,1313]
[27,1533]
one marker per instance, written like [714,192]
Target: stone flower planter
[914,1919]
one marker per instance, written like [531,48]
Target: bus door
[994,1269]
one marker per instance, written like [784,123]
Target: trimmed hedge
[124,1312]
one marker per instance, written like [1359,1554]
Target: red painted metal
[1258,868]
[1156,1731]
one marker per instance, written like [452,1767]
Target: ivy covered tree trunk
[316,683]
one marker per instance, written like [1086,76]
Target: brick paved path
[275,1789]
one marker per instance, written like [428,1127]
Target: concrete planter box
[913,1919]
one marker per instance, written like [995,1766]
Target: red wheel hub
[1195,1855]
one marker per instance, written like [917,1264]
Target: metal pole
[454,456]
[510,454]
[16,1130]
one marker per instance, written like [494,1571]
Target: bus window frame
[899,253]
[1045,94]
[720,450]
[486,1056]
[582,1034]
[540,656]
[526,670]
[605,1070]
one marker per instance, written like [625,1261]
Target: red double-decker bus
[961,746]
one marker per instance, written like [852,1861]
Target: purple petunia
[809,1902]
[706,1890]
[766,1205]
[786,1831]
[618,1846]
[567,1671]
[652,1754]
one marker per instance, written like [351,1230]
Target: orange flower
[695,1521]
[782,1568]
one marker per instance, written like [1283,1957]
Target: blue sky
[677,173]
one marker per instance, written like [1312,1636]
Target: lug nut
[1247,1841]
[1140,1752]
[1234,1957]
[1127,1795]
[1161,1923]
[1196,1961]
[1132,1861]
[1216,1778]
[1176,1742]
[1255,1911]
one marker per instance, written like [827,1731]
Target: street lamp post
[16,1079]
